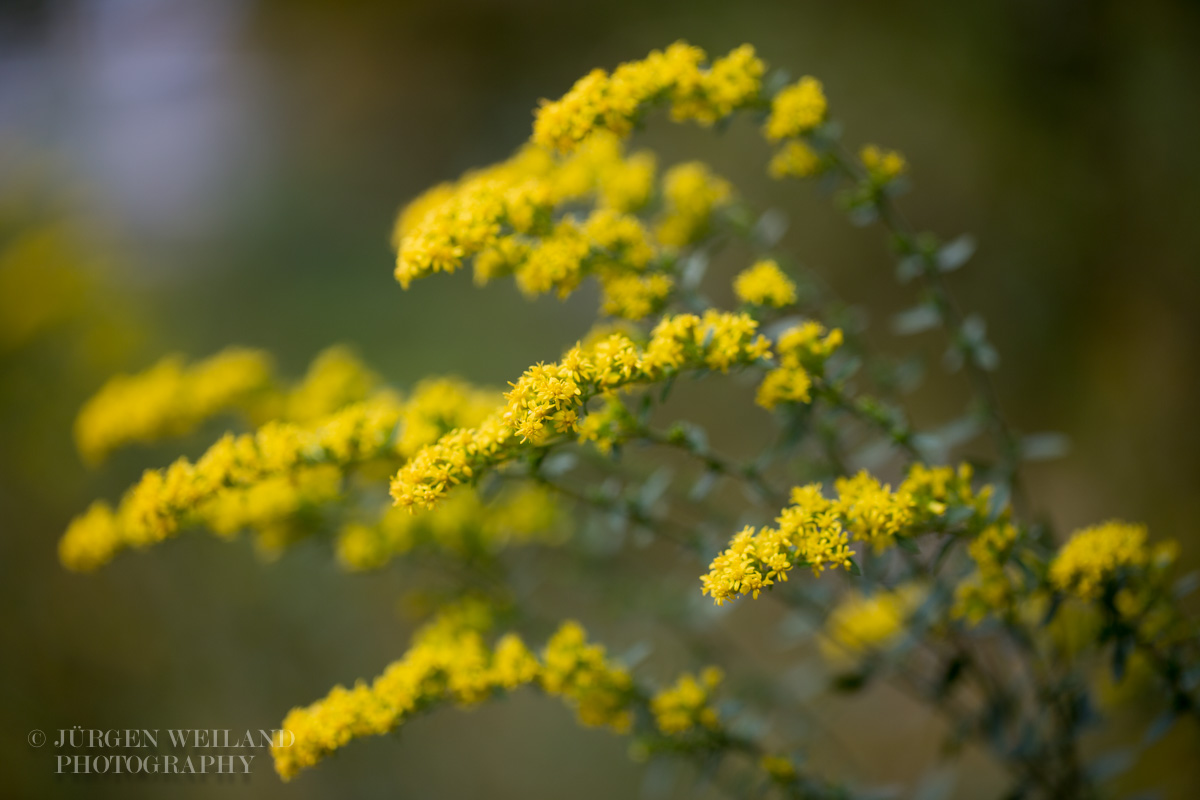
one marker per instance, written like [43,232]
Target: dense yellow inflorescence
[863,624]
[169,399]
[691,192]
[549,398]
[1095,555]
[816,531]
[801,352]
[796,110]
[464,524]
[765,284]
[279,454]
[262,480]
[991,589]
[796,159]
[600,101]
[686,706]
[451,662]
[882,165]
[503,218]
[335,379]
[636,296]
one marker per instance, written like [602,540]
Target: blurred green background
[229,170]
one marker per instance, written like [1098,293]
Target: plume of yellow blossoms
[262,479]
[549,398]
[464,524]
[636,296]
[991,589]
[686,705]
[503,218]
[600,101]
[765,284]
[796,159]
[691,192]
[863,624]
[1094,556]
[882,165]
[450,662]
[802,351]
[815,531]
[164,500]
[171,398]
[335,379]
[796,109]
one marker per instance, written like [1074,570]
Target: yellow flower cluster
[636,296]
[802,351]
[765,284]
[171,398]
[933,489]
[990,589]
[262,480]
[163,500]
[600,691]
[863,624]
[600,101]
[882,165]
[872,512]
[548,398]
[41,284]
[335,379]
[813,531]
[691,192]
[686,705]
[271,506]
[796,110]
[449,661]
[1093,556]
[796,159]
[502,216]
[464,524]
[438,406]
[607,426]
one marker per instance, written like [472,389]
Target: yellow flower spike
[800,349]
[461,525]
[813,531]
[765,284]
[612,103]
[882,165]
[873,513]
[335,379]
[797,109]
[169,399]
[549,397]
[248,479]
[862,624]
[691,192]
[686,705]
[1093,556]
[795,160]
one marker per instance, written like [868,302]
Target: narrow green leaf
[956,253]
[916,320]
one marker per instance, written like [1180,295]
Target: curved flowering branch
[451,662]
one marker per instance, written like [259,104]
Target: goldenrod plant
[912,567]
